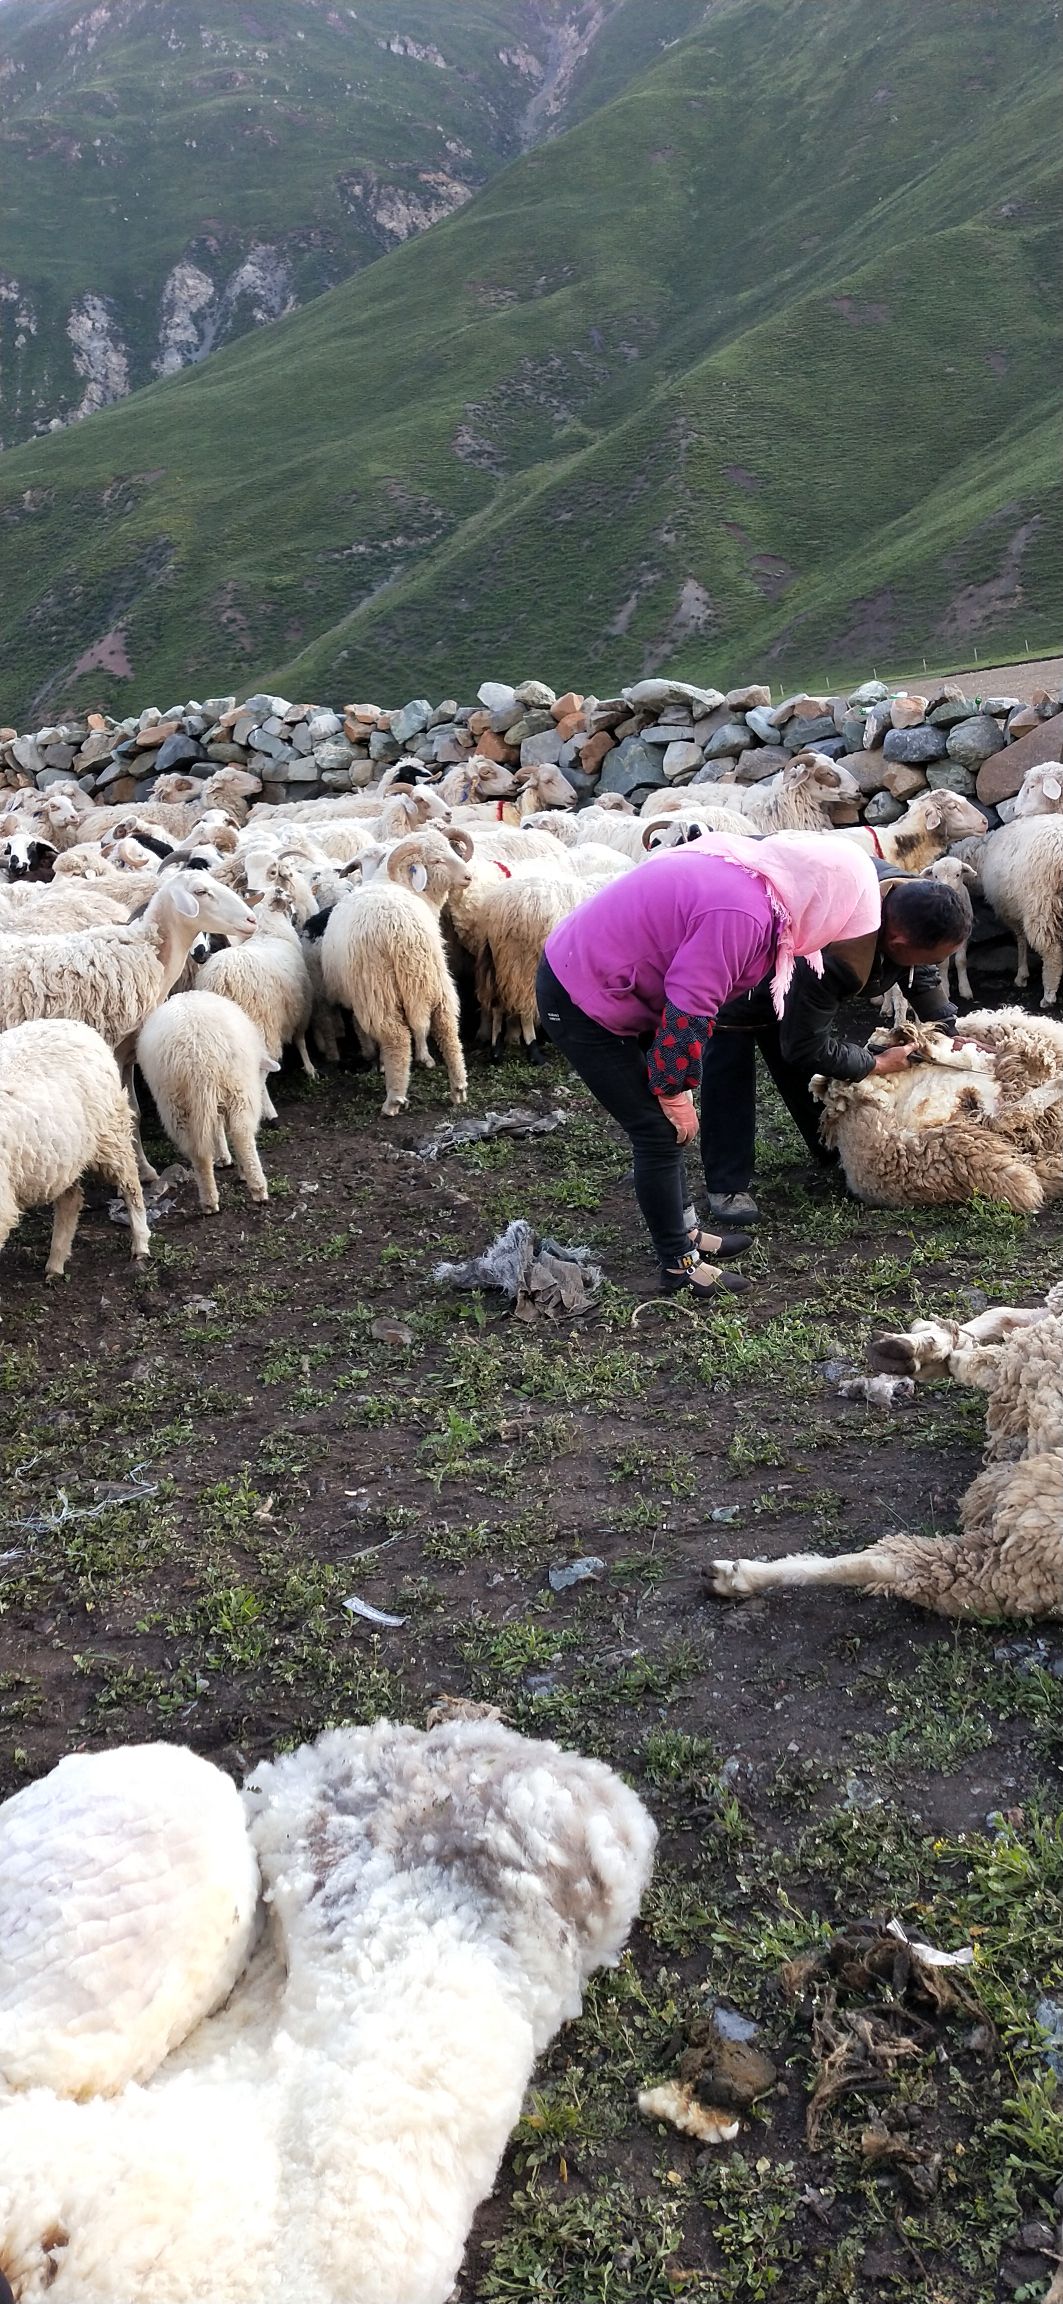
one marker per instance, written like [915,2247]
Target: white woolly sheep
[229,790]
[267,977]
[929,825]
[798,799]
[382,956]
[28,909]
[961,1123]
[1022,875]
[113,976]
[515,918]
[62,1111]
[206,1065]
[681,826]
[433,1906]
[1039,794]
[1009,1559]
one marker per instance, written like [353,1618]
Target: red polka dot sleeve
[674,1060]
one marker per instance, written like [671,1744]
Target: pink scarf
[822,890]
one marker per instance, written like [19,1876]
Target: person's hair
[928,914]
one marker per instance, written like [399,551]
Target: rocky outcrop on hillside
[656,733]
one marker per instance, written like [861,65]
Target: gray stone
[872,692]
[322,725]
[681,761]
[760,761]
[271,746]
[259,705]
[302,771]
[584,786]
[106,776]
[444,713]
[25,753]
[952,776]
[383,747]
[762,724]
[1000,706]
[630,765]
[714,770]
[875,726]
[216,706]
[450,751]
[669,732]
[727,742]
[810,735]
[46,777]
[535,695]
[883,809]
[853,731]
[654,693]
[537,722]
[335,752]
[60,756]
[272,726]
[915,746]
[748,699]
[950,713]
[497,696]
[96,752]
[412,720]
[226,755]
[275,771]
[975,740]
[180,752]
[244,728]
[541,751]
[302,740]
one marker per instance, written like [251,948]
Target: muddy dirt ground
[203,1464]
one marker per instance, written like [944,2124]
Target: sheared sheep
[1022,875]
[382,957]
[62,1111]
[206,1065]
[956,873]
[956,1125]
[267,977]
[113,976]
[1009,1559]
[433,1906]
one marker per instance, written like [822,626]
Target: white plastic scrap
[373,1615]
[927,1955]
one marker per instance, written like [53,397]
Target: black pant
[614,1068]
[729,1105]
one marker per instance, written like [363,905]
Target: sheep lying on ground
[1022,875]
[206,1065]
[63,1111]
[1009,1559]
[112,977]
[433,1905]
[956,1124]
[382,957]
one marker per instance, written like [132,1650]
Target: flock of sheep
[199,932]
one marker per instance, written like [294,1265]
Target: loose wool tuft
[435,1903]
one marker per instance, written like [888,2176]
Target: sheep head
[830,784]
[22,854]
[953,870]
[175,788]
[1041,792]
[194,897]
[942,811]
[430,868]
[563,828]
[546,787]
[616,801]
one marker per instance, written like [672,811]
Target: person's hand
[892,1060]
[679,1109]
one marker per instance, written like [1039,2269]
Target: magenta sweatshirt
[683,928]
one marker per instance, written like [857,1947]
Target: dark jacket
[811,1036]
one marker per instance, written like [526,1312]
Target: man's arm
[810,1036]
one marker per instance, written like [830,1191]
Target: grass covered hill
[754,369]
[174,172]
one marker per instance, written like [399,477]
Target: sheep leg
[447,1040]
[1022,968]
[875,1570]
[396,1053]
[1052,968]
[206,1183]
[963,981]
[303,1053]
[122,1170]
[65,1212]
[421,1048]
[247,1160]
[222,1156]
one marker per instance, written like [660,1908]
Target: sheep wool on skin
[1008,1560]
[433,1904]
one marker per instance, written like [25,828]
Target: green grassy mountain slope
[758,364]
[174,172]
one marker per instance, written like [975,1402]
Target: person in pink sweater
[630,984]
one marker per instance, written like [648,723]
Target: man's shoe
[733,1208]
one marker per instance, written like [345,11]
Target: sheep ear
[797,773]
[969,874]
[935,816]
[417,877]
[1052,788]
[183,900]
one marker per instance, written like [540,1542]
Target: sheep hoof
[54,1272]
[892,1356]
[729,1579]
[392,1106]
[260,1197]
[535,1054]
[459,1095]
